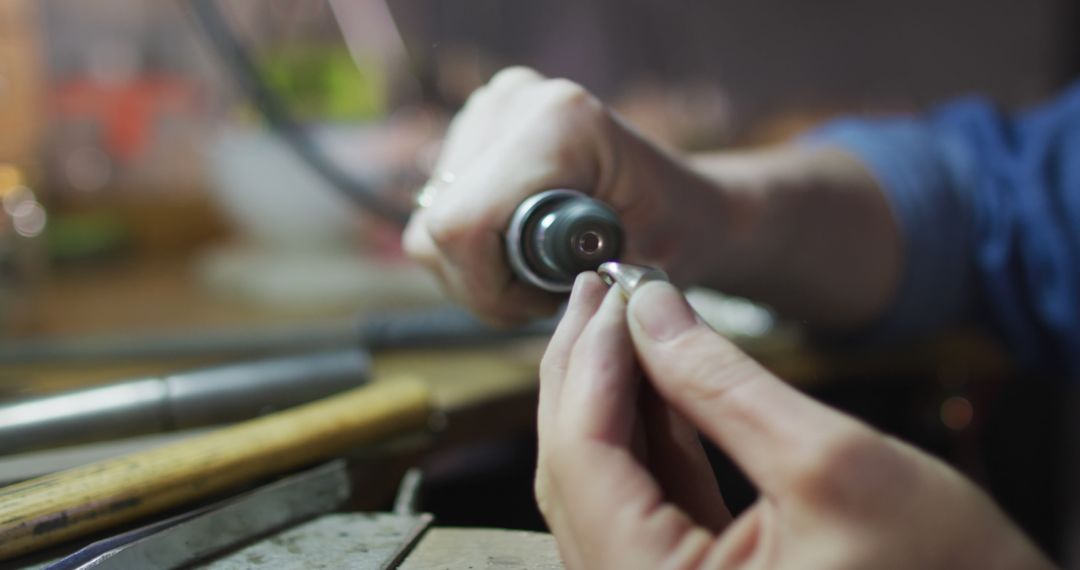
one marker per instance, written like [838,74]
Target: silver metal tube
[106,412]
[207,396]
[235,392]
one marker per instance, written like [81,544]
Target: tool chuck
[556,234]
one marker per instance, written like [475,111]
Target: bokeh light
[957,413]
[29,219]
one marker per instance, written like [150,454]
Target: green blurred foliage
[324,83]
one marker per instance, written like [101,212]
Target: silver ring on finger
[427,193]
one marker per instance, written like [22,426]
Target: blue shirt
[989,207]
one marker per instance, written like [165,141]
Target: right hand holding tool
[523,134]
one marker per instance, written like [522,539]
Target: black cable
[238,62]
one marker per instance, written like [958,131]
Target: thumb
[767,427]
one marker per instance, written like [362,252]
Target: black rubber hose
[238,61]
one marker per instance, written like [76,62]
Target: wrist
[717,227]
[668,208]
[804,229]
[731,211]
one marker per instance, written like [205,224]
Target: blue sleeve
[989,207]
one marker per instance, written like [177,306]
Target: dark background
[773,55]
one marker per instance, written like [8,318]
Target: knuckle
[474,101]
[416,244]
[540,492]
[541,478]
[410,239]
[513,76]
[573,156]
[565,90]
[550,366]
[568,96]
[709,370]
[444,229]
[544,492]
[418,254]
[849,472]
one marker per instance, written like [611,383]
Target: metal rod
[201,397]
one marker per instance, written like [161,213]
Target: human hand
[522,134]
[623,482]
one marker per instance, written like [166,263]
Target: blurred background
[144,192]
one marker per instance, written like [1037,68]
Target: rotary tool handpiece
[556,234]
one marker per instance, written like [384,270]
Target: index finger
[608,498]
[585,298]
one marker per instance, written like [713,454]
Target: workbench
[491,391]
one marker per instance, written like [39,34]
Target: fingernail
[661,311]
[580,284]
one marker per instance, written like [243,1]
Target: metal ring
[627,277]
[427,193]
